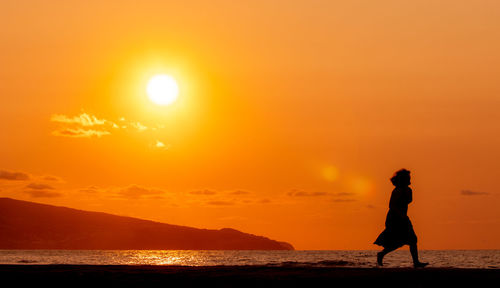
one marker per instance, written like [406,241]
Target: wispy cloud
[43,194]
[79,133]
[83,119]
[220,203]
[212,197]
[52,178]
[301,193]
[343,200]
[41,190]
[160,145]
[87,125]
[139,126]
[17,176]
[329,196]
[136,191]
[473,193]
[239,192]
[91,190]
[203,192]
[39,186]
[340,194]
[193,198]
[81,126]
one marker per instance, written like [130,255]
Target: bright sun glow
[162,89]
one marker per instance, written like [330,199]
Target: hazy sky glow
[290,119]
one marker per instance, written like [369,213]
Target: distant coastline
[29,225]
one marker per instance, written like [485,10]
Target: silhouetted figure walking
[398,228]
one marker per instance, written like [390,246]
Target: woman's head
[401,178]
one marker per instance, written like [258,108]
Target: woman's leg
[414,252]
[414,255]
[381,254]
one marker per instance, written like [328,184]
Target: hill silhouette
[29,225]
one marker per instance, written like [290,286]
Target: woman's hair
[400,177]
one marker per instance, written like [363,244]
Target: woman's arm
[395,202]
[399,201]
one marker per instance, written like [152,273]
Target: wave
[23,261]
[323,263]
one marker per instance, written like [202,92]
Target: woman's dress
[398,228]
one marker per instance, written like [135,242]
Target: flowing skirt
[398,232]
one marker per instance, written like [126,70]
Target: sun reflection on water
[172,257]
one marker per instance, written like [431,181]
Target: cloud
[139,126]
[160,145]
[344,194]
[79,133]
[337,197]
[203,192]
[43,194]
[83,119]
[40,186]
[86,125]
[301,193]
[220,203]
[331,196]
[473,193]
[135,191]
[239,192]
[344,197]
[226,198]
[41,190]
[131,192]
[196,198]
[343,200]
[81,126]
[90,189]
[18,176]
[52,178]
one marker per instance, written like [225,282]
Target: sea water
[437,258]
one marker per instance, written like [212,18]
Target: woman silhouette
[398,228]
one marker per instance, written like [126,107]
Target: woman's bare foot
[420,264]
[380,257]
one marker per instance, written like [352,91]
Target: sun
[162,89]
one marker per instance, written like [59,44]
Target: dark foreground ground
[241,276]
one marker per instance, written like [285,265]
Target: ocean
[437,258]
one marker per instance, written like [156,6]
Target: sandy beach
[243,276]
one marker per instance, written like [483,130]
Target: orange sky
[291,117]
